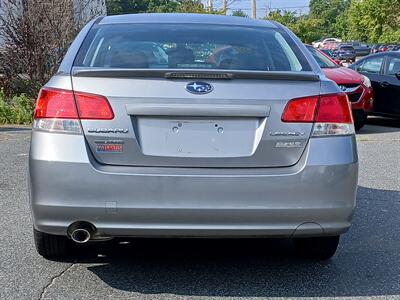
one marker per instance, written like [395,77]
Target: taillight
[55,103]
[93,107]
[59,110]
[334,108]
[301,110]
[330,113]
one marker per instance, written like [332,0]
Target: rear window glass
[189,46]
[322,60]
[347,48]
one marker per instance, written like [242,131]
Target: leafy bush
[16,110]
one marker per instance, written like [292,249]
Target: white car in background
[317,43]
[321,43]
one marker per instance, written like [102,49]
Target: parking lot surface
[367,264]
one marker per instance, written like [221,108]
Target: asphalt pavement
[367,264]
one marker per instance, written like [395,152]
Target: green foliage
[17,110]
[330,13]
[306,28]
[284,17]
[373,21]
[376,21]
[115,7]
[324,19]
[239,13]
[180,6]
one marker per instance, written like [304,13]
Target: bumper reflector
[329,129]
[58,125]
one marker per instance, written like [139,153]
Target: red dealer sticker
[109,147]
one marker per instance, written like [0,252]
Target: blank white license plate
[199,137]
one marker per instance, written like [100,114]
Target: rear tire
[318,248]
[52,246]
[360,118]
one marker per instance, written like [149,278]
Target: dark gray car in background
[346,52]
[181,125]
[361,49]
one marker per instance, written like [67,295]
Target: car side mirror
[397,75]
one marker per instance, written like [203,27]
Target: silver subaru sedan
[185,125]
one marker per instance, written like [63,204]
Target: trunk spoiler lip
[194,74]
[198,110]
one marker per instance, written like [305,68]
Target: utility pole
[225,6]
[210,5]
[254,9]
[269,8]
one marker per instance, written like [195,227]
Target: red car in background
[356,86]
[383,48]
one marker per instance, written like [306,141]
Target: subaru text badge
[199,87]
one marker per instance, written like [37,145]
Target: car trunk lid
[159,123]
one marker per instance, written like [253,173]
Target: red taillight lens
[334,108]
[300,110]
[60,104]
[55,103]
[93,107]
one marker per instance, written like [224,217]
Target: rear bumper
[314,197]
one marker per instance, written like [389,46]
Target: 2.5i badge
[288,145]
[109,146]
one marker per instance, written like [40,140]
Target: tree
[376,21]
[306,28]
[239,13]
[33,49]
[115,7]
[180,6]
[331,15]
[364,20]
[284,17]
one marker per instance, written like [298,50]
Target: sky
[300,6]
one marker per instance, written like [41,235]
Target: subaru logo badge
[199,87]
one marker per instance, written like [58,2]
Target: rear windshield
[190,46]
[347,48]
[323,61]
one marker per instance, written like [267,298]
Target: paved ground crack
[53,280]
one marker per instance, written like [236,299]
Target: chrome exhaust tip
[81,232]
[81,235]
